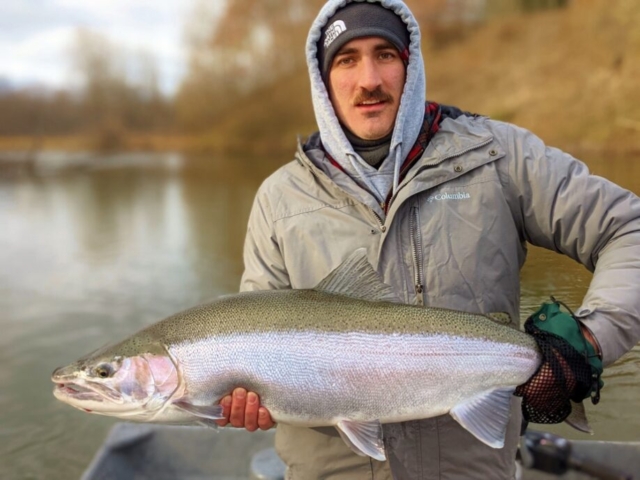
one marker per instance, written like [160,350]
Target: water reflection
[93,249]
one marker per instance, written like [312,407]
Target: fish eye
[104,370]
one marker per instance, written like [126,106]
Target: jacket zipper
[381,225]
[416,246]
[416,241]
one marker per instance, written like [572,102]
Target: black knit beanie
[356,20]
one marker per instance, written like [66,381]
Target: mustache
[378,95]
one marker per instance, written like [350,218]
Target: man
[444,202]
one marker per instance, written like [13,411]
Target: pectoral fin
[203,412]
[486,416]
[205,422]
[364,438]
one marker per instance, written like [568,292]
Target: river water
[94,248]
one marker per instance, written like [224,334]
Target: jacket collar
[462,144]
[441,162]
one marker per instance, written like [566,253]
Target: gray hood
[410,115]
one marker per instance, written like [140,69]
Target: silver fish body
[317,357]
[327,356]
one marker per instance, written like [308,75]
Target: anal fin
[364,438]
[486,416]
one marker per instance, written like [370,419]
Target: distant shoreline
[205,144]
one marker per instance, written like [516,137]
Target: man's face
[365,85]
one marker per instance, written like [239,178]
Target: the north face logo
[334,30]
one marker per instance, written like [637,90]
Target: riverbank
[285,147]
[147,142]
[568,75]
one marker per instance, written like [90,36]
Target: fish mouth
[75,396]
[76,392]
[72,388]
[82,396]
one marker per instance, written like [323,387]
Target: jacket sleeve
[563,207]
[264,267]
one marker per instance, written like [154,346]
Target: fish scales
[335,351]
[311,379]
[302,310]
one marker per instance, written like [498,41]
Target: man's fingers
[226,406]
[251,412]
[264,419]
[237,407]
[242,409]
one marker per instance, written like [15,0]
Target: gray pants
[433,449]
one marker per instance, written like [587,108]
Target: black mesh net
[565,374]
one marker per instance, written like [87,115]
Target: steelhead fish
[342,354]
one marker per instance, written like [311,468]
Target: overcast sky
[36,35]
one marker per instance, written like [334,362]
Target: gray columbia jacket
[454,236]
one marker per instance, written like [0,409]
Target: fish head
[108,383]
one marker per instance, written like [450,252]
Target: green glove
[551,318]
[570,368]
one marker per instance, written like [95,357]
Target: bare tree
[235,50]
[119,89]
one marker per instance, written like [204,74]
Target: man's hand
[540,392]
[242,410]
[571,365]
[533,390]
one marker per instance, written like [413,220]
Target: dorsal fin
[355,277]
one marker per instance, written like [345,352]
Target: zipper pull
[420,294]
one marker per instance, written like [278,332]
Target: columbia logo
[448,196]
[334,30]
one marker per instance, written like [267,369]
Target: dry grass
[571,75]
